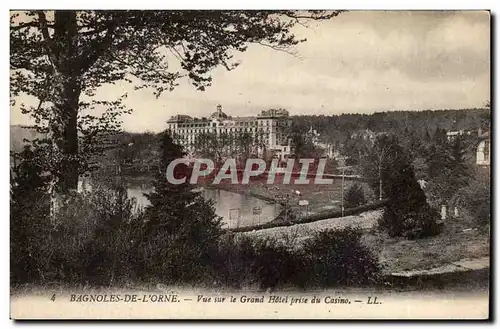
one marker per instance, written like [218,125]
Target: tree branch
[278,49]
[30,24]
[43,26]
[315,15]
[96,49]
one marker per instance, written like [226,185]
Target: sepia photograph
[250,164]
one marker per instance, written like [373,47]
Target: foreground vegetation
[96,239]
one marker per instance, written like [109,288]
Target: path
[463,265]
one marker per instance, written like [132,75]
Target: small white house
[483,151]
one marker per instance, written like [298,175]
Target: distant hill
[418,123]
[139,152]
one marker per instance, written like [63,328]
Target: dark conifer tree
[407,213]
[181,229]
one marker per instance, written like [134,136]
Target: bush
[410,224]
[330,258]
[276,264]
[233,261]
[30,245]
[266,263]
[354,196]
[337,257]
[29,226]
[87,242]
[475,198]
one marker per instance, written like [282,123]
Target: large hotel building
[272,127]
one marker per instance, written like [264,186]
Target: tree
[61,58]
[375,162]
[29,207]
[407,213]
[212,145]
[243,145]
[452,172]
[303,147]
[475,198]
[353,149]
[354,196]
[458,160]
[180,229]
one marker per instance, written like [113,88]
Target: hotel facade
[270,130]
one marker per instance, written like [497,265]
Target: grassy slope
[397,254]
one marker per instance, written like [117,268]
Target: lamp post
[343,174]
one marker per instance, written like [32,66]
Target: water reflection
[237,210]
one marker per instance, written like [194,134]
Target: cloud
[361,61]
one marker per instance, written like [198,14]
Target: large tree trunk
[66,90]
[63,130]
[64,136]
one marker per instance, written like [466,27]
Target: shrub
[410,223]
[30,245]
[246,261]
[87,242]
[475,198]
[330,258]
[354,196]
[337,257]
[29,210]
[276,264]
[233,261]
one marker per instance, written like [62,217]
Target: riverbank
[320,198]
[244,191]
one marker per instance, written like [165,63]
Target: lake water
[237,210]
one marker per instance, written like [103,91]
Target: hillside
[137,152]
[338,128]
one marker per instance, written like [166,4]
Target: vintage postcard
[208,164]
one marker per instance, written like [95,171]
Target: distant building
[312,135]
[272,127]
[327,148]
[452,134]
[366,134]
[483,149]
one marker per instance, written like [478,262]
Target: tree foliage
[407,213]
[62,57]
[475,198]
[415,129]
[301,146]
[354,196]
[180,227]
[449,170]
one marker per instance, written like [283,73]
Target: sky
[358,62]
